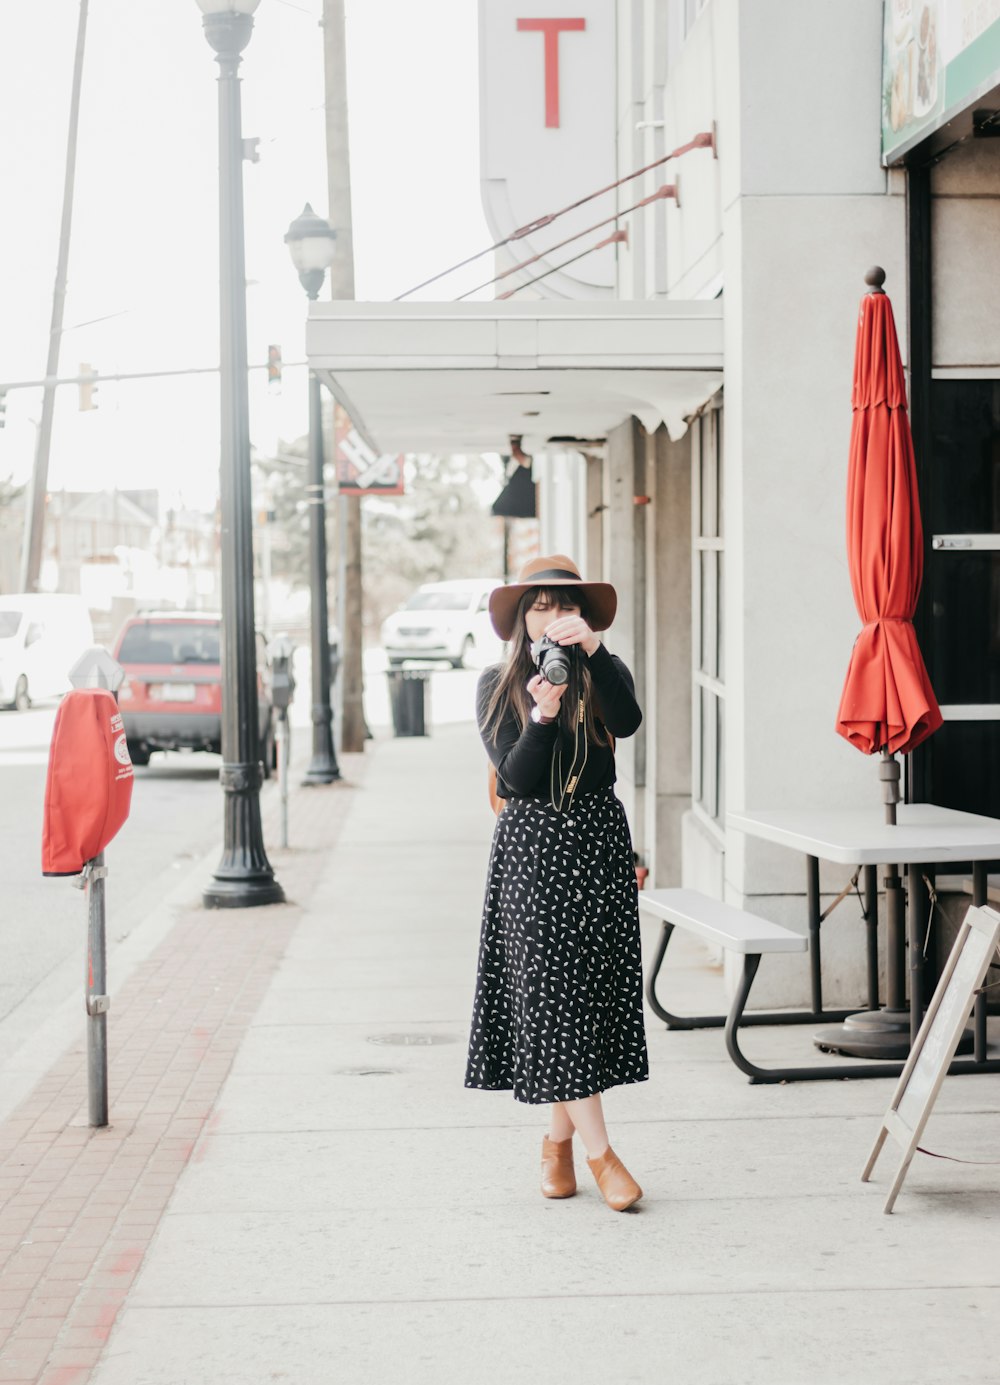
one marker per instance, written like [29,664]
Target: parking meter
[88,791]
[282,677]
[282,652]
[334,646]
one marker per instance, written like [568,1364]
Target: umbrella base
[875,1034]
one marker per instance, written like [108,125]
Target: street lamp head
[312,244]
[228,25]
[227,6]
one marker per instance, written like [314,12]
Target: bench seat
[720,923]
[752,937]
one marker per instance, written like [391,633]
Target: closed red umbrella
[888,703]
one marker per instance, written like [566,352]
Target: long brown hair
[511,692]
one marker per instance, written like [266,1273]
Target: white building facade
[691,423]
[802,199]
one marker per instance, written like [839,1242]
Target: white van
[444,620]
[41,638]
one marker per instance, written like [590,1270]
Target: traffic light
[274,369]
[88,386]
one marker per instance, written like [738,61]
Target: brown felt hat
[555,571]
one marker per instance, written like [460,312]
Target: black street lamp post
[311,242]
[244,876]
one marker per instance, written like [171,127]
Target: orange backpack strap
[496,802]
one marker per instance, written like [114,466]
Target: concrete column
[562,487]
[668,643]
[592,559]
[625,567]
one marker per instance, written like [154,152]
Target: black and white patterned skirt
[558,1010]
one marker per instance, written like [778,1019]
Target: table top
[923,834]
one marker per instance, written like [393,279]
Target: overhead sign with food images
[938,58]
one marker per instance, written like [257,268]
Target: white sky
[145,223]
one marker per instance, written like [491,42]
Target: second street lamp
[311,243]
[244,876]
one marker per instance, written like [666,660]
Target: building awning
[464,377]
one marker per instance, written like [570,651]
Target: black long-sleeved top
[523,759]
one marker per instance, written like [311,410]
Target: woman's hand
[547,696]
[573,630]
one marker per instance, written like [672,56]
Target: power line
[95,377]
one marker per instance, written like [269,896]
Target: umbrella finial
[876,278]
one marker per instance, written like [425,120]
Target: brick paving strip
[79,1207]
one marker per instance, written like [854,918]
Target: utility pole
[338,157]
[34,525]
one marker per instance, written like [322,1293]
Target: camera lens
[555,667]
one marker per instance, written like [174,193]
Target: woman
[558,1010]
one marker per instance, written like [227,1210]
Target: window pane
[710,613]
[964,767]
[962,649]
[721,637]
[709,753]
[171,642]
[698,768]
[694,433]
[709,478]
[720,712]
[965,469]
[720,469]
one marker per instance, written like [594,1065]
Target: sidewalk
[296,1185]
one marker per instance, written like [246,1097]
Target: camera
[555,662]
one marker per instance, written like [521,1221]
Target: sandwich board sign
[936,1042]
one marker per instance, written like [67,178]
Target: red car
[172,695]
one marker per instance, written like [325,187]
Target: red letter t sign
[551,28]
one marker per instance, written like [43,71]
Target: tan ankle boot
[619,1188]
[558,1177]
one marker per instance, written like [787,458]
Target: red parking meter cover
[89,787]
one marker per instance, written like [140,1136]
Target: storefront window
[959,619]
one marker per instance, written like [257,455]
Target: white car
[444,620]
[41,638]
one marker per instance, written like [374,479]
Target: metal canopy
[463,377]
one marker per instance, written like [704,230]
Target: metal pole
[323,767]
[980,895]
[917,917]
[888,773]
[871,923]
[97,992]
[281,742]
[96,669]
[814,911]
[341,504]
[244,876]
[338,159]
[895,941]
[34,532]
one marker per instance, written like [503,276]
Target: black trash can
[407,699]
